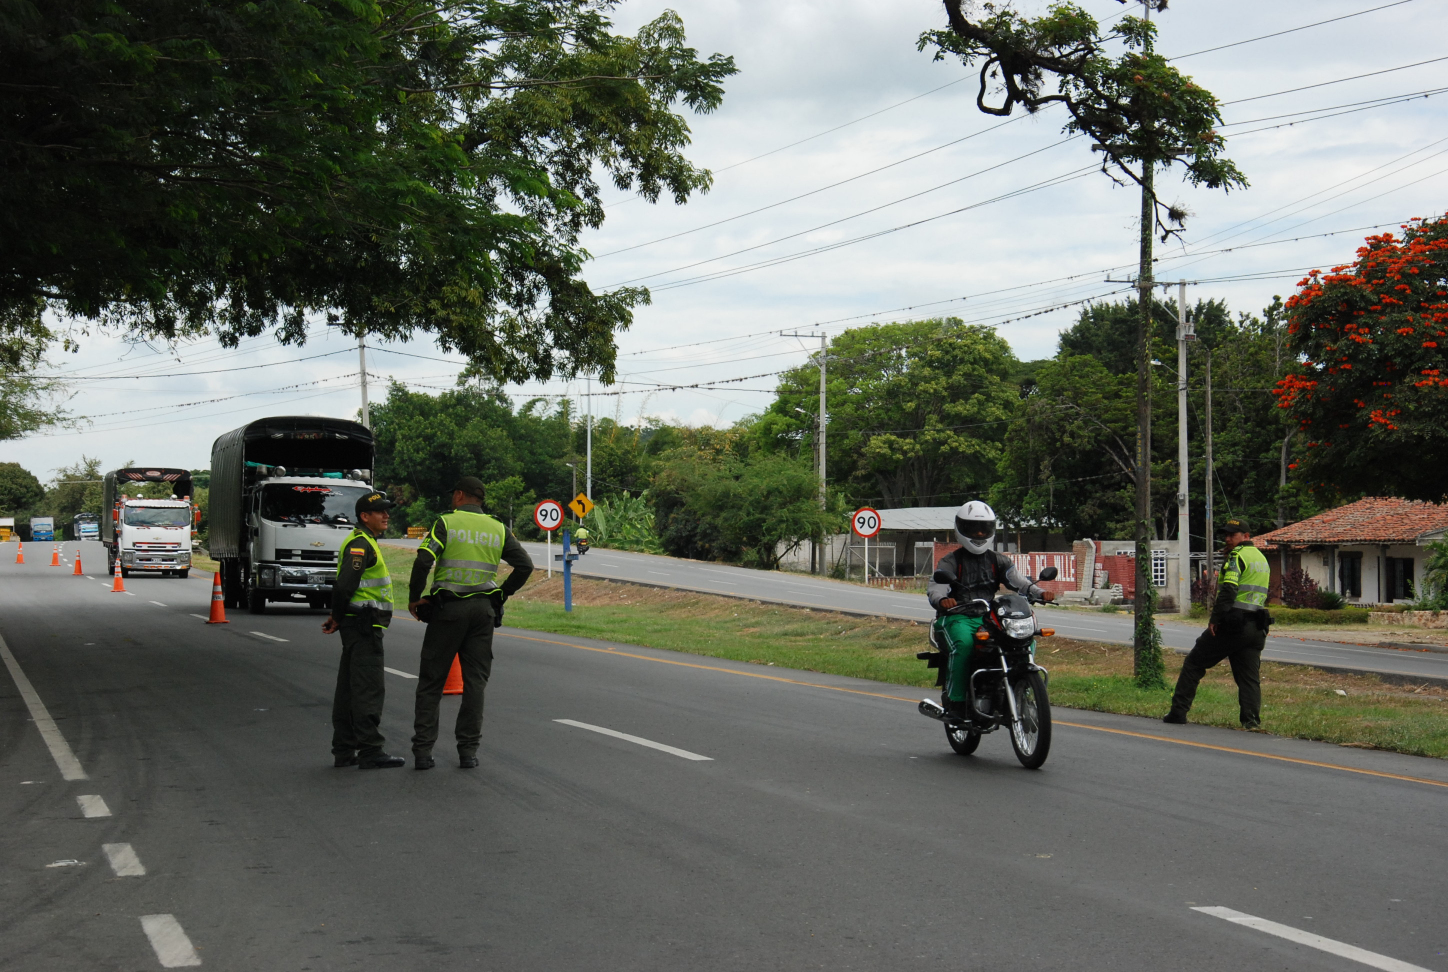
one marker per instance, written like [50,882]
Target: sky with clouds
[857,182]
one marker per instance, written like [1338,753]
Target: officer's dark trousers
[1240,642]
[357,703]
[462,627]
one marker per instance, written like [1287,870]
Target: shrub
[1299,590]
[1328,601]
[1204,589]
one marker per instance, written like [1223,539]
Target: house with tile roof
[1370,552]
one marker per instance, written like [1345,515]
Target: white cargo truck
[283,496]
[148,535]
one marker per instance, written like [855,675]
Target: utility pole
[588,444]
[1211,567]
[1185,332]
[817,557]
[362,359]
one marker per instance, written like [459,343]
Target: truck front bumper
[156,559]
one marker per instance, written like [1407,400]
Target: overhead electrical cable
[1290,30]
[188,374]
[1323,84]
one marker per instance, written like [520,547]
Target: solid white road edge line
[396,672]
[263,634]
[92,805]
[636,739]
[173,948]
[123,860]
[1342,949]
[60,750]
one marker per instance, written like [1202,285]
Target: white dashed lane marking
[173,949]
[263,634]
[92,805]
[123,860]
[1372,959]
[158,603]
[638,740]
[396,672]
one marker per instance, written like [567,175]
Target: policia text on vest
[1237,630]
[361,611]
[463,549]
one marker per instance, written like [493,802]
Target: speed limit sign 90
[865,522]
[548,515]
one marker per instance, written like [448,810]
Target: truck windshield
[157,516]
[297,503]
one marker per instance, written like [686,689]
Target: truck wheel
[125,573]
[256,602]
[184,573]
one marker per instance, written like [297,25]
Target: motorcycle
[1010,690]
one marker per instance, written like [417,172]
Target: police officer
[464,605]
[361,610]
[1237,629]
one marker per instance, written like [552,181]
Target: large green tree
[917,411]
[1368,385]
[20,491]
[177,167]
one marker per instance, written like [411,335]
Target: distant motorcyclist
[979,572]
[581,538]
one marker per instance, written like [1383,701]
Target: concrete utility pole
[1185,332]
[588,446]
[362,359]
[1211,567]
[817,557]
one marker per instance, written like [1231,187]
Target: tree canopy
[179,167]
[1369,386]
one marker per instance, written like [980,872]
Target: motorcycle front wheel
[1031,736]
[963,741]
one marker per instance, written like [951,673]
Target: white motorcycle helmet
[975,526]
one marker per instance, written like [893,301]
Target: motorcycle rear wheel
[963,741]
[1031,737]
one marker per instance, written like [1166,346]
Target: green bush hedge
[1306,616]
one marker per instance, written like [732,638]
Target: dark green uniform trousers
[464,628]
[357,703]
[1240,642]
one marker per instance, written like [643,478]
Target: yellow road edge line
[1073,725]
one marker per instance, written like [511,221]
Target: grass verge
[1298,701]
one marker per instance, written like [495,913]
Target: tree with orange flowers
[1369,391]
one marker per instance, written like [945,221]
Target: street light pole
[1185,333]
[588,478]
[362,359]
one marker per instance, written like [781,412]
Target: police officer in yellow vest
[361,610]
[464,605]
[1237,629]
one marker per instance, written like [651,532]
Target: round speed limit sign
[865,522]
[548,515]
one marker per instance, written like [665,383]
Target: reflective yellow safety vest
[1247,568]
[467,547]
[375,588]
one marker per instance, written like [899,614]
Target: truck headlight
[128,556]
[268,577]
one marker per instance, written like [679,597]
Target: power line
[1323,84]
[189,374]
[1291,30]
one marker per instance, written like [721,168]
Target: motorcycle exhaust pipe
[932,710]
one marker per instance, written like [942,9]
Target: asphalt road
[829,826]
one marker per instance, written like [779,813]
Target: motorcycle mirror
[943,576]
[1049,574]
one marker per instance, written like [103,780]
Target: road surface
[826,826]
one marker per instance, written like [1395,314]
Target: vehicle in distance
[283,496]
[86,526]
[152,535]
[42,528]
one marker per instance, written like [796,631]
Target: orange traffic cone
[454,683]
[218,602]
[118,586]
[55,556]
[78,572]
[19,552]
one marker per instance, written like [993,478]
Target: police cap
[1233,526]
[374,502]
[471,485]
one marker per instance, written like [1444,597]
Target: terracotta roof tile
[1375,519]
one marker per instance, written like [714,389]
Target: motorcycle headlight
[1019,628]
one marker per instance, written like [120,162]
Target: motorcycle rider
[979,572]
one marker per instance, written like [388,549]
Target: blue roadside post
[568,557]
